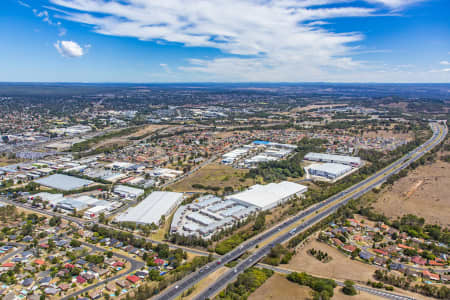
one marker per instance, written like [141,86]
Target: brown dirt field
[430,199]
[146,130]
[340,267]
[213,174]
[278,287]
[315,106]
[388,134]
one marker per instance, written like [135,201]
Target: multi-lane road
[284,231]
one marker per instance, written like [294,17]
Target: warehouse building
[267,196]
[332,158]
[64,182]
[128,192]
[328,170]
[152,208]
[207,215]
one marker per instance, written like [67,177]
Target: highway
[314,214]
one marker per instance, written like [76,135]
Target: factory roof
[64,182]
[333,158]
[331,168]
[152,208]
[265,195]
[128,190]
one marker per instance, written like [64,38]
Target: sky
[146,41]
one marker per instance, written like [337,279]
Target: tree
[260,221]
[349,288]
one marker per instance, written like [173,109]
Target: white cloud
[23,4]
[262,40]
[440,70]
[396,3]
[69,49]
[445,63]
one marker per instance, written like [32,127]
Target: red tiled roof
[419,260]
[80,279]
[39,262]
[8,265]
[133,278]
[349,248]
[430,275]
[379,251]
[118,264]
[402,246]
[434,263]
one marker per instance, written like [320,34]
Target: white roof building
[270,195]
[127,191]
[64,182]
[52,199]
[328,170]
[152,208]
[332,158]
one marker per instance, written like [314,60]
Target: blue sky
[225,41]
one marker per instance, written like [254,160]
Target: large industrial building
[333,158]
[260,151]
[152,208]
[208,215]
[128,192]
[64,182]
[328,170]
[267,196]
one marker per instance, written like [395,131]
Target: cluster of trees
[125,237]
[228,244]
[207,187]
[245,284]
[292,167]
[405,282]
[86,145]
[278,255]
[323,288]
[146,291]
[319,255]
[188,240]
[349,288]
[415,226]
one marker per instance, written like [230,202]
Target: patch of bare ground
[214,174]
[147,130]
[315,106]
[340,267]
[278,287]
[424,192]
[388,134]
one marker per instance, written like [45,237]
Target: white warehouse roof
[270,195]
[343,159]
[123,189]
[331,168]
[152,208]
[64,182]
